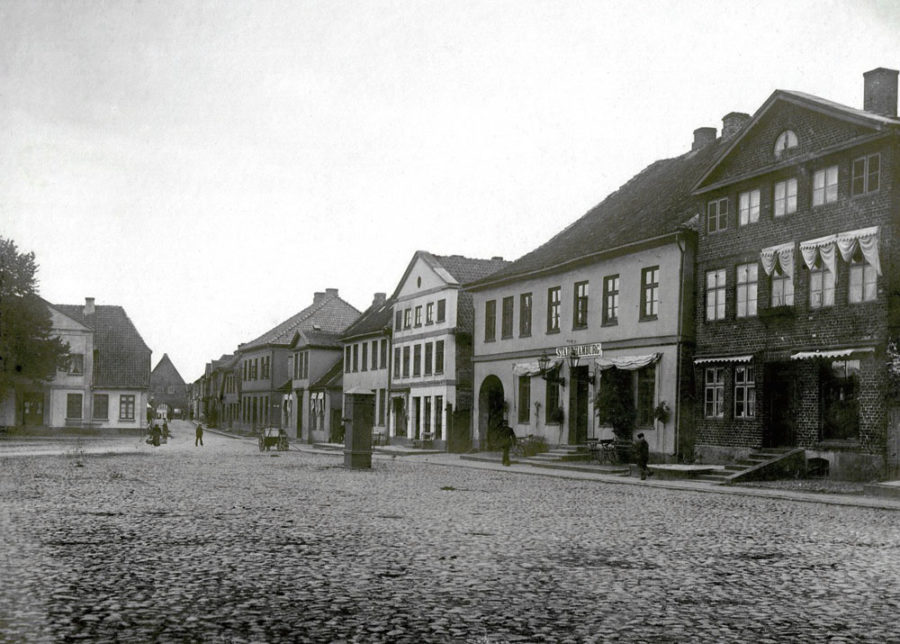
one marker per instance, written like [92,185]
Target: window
[429,358]
[427,415]
[439,417]
[551,402]
[384,350]
[524,399]
[374,355]
[785,197]
[382,401]
[490,320]
[525,315]
[265,367]
[365,357]
[611,299]
[355,358]
[439,356]
[825,188]
[715,294]
[398,320]
[646,395]
[865,175]
[506,317]
[101,406]
[396,362]
[748,207]
[782,289]
[553,309]
[821,286]
[406,362]
[649,293]
[419,316]
[744,392]
[417,360]
[429,313]
[73,406]
[126,407]
[76,364]
[785,141]
[714,393]
[840,406]
[347,362]
[407,318]
[580,320]
[304,365]
[717,215]
[862,281]
[746,290]
[441,310]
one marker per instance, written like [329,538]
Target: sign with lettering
[593,349]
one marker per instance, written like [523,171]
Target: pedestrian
[198,435]
[643,456]
[165,431]
[154,435]
[507,439]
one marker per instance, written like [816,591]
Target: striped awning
[627,363]
[705,360]
[831,353]
[532,368]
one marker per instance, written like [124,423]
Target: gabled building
[217,376]
[797,271]
[167,387]
[106,383]
[313,354]
[367,377]
[263,362]
[607,300]
[431,371]
[325,406]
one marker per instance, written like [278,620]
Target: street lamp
[550,376]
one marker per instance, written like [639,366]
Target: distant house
[263,362]
[167,388]
[431,374]
[106,382]
[313,355]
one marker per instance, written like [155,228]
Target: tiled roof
[838,107]
[165,372]
[332,314]
[372,320]
[655,202]
[333,378]
[320,339]
[123,357]
[466,269]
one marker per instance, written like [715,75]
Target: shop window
[840,405]
[646,394]
[524,399]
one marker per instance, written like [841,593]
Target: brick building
[797,279]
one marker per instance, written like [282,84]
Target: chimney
[379,299]
[703,136]
[496,258]
[88,306]
[331,292]
[732,122]
[318,297]
[880,91]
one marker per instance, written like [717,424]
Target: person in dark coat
[155,433]
[198,435]
[643,455]
[507,436]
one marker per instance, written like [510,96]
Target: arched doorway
[490,408]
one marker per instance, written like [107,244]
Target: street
[227,544]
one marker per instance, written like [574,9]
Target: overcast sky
[209,165]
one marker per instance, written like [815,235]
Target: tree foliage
[615,402]
[29,353]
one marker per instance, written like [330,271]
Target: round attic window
[785,141]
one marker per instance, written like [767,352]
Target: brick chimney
[703,136]
[331,292]
[318,297]
[88,306]
[880,91]
[379,299]
[732,123]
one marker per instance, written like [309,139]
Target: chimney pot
[732,123]
[88,306]
[703,136]
[880,91]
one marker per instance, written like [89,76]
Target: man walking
[643,455]
[507,440]
[198,435]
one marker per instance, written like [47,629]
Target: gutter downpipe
[681,247]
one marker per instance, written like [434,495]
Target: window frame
[719,302]
[418,316]
[610,313]
[787,202]
[650,289]
[73,400]
[126,406]
[524,410]
[720,215]
[554,303]
[507,313]
[525,314]
[860,270]
[714,403]
[441,310]
[825,290]
[744,392]
[429,313]
[746,292]
[828,192]
[417,361]
[749,209]
[778,285]
[865,178]
[490,320]
[580,295]
[439,357]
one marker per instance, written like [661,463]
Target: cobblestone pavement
[227,544]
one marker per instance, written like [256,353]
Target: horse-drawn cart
[270,437]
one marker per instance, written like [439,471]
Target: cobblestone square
[227,544]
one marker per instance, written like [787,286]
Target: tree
[615,406]
[29,353]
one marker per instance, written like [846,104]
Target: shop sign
[580,350]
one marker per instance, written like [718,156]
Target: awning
[782,256]
[746,358]
[864,239]
[627,363]
[359,391]
[831,353]
[532,368]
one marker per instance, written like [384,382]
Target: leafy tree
[615,403]
[29,353]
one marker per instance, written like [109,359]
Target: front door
[33,409]
[299,413]
[781,405]
[578,406]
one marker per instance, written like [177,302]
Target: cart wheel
[262,443]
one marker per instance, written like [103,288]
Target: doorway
[578,406]
[781,405]
[490,408]
[33,409]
